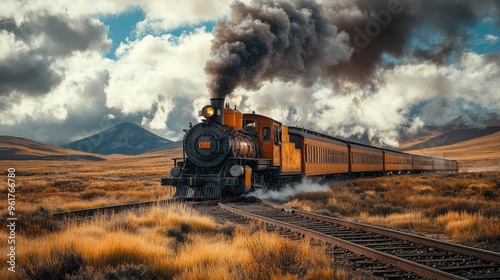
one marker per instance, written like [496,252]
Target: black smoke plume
[269,40]
[333,40]
[435,31]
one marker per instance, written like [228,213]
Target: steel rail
[400,263]
[119,207]
[109,208]
[458,248]
[85,212]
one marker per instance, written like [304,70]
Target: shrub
[228,230]
[467,226]
[489,194]
[55,266]
[271,257]
[412,220]
[91,194]
[179,234]
[37,222]
[130,272]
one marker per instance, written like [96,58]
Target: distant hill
[171,145]
[473,121]
[462,128]
[453,137]
[124,138]
[17,148]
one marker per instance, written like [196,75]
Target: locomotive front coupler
[196,182]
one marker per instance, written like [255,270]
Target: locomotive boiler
[229,153]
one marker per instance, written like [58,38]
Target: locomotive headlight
[208,111]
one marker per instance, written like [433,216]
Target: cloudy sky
[69,69]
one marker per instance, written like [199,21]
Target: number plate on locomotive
[204,145]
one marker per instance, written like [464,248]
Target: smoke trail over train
[327,41]
[374,69]
[269,40]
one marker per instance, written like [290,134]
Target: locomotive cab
[275,146]
[268,131]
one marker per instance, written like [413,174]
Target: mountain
[124,138]
[462,128]
[171,145]
[17,148]
[473,121]
[454,137]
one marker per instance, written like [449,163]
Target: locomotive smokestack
[218,104]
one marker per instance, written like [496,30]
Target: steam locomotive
[229,154]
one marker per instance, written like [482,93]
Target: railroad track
[402,255]
[110,209]
[88,212]
[384,252]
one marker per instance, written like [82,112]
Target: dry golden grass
[271,257]
[149,243]
[177,213]
[410,220]
[469,226]
[426,203]
[68,185]
[171,242]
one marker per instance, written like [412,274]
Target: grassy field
[175,242]
[461,207]
[65,185]
[165,242]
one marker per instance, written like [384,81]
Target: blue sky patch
[485,37]
[123,26]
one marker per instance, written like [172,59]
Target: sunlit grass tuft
[470,226]
[412,220]
[172,216]
[272,257]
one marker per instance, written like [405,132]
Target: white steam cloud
[307,185]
